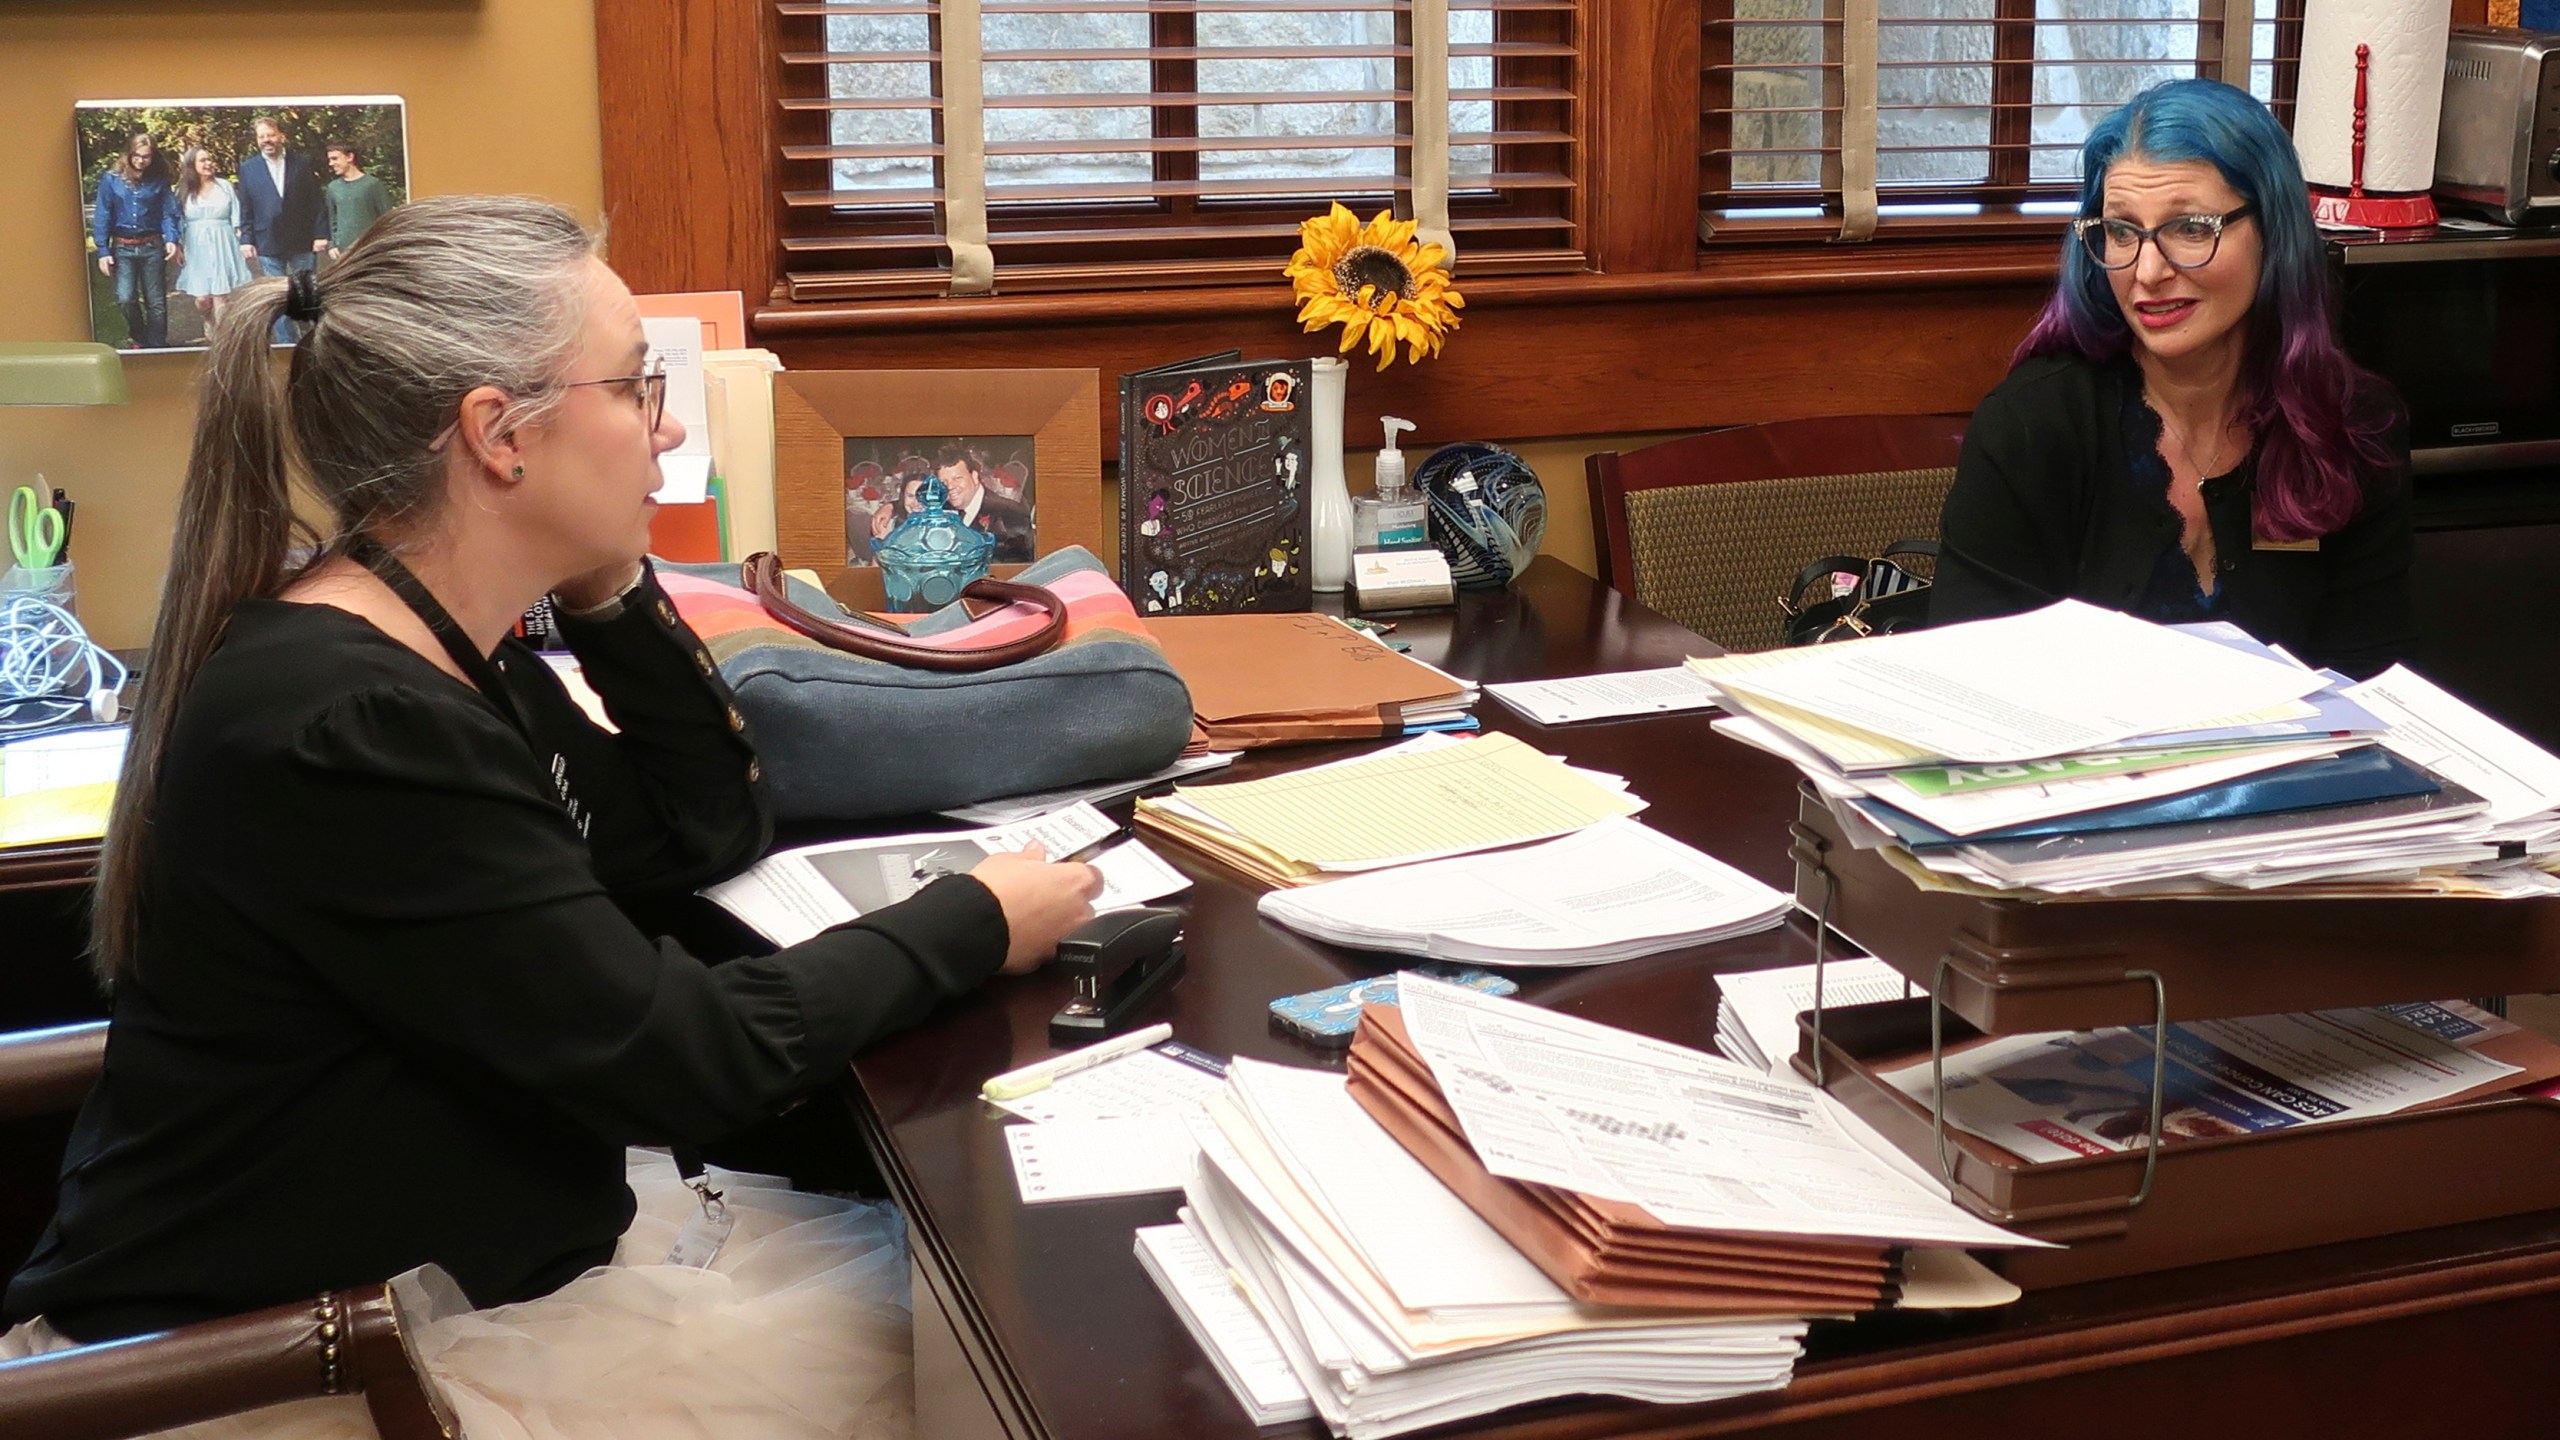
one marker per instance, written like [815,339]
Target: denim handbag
[847,737]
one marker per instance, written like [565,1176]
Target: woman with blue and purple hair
[2181,436]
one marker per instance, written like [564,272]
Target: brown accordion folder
[1607,1252]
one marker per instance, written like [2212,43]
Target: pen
[1086,853]
[62,506]
[1014,1084]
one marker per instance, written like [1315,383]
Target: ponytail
[235,529]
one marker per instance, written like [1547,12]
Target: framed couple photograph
[978,471]
[183,202]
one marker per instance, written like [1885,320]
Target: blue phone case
[1328,1017]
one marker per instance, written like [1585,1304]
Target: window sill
[1888,265]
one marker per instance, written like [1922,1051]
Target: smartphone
[1328,1017]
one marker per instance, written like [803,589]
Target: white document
[2432,728]
[1694,1139]
[62,759]
[1764,1005]
[795,894]
[2059,1097]
[1092,1159]
[1429,1247]
[1195,1283]
[1025,807]
[1612,892]
[1143,1082]
[675,343]
[1602,697]
[2068,677]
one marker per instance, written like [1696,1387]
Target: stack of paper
[1573,699]
[1284,679]
[1398,1299]
[1419,801]
[2078,751]
[1393,1305]
[1612,892]
[1756,1010]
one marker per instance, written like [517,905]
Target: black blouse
[2061,493]
[384,1008]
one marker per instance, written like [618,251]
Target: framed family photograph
[183,202]
[991,468]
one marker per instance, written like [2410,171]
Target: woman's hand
[1042,902]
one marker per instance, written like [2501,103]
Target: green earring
[519,472]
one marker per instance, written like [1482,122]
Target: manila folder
[1270,679]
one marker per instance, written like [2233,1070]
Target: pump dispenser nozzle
[1390,471]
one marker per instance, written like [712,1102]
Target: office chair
[1710,529]
[341,1343]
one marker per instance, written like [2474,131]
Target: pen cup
[51,583]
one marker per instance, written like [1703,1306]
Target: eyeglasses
[2187,242]
[648,388]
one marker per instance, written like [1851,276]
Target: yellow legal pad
[44,817]
[59,786]
[1386,810]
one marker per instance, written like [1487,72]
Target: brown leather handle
[763,576]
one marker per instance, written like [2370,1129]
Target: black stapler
[1120,961]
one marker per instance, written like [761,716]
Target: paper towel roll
[2404,91]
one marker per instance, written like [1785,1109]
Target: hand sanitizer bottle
[1395,517]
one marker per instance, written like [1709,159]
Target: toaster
[2498,148]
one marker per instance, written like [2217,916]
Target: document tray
[2215,1198]
[2020,966]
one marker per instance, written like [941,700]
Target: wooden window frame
[1661,333]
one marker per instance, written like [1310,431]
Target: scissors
[35,530]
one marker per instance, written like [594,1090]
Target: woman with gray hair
[376,1006]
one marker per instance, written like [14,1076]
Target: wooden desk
[1038,1322]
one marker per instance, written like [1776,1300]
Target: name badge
[2261,542]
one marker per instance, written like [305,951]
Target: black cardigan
[2060,493]
[385,1009]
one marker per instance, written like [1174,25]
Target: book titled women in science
[1213,475]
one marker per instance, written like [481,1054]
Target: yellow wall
[501,96]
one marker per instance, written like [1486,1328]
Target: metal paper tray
[2017,966]
[2213,1199]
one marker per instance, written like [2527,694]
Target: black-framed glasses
[2187,242]
[648,388]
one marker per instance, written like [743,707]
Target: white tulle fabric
[799,1328]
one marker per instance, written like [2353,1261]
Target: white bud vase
[1328,494]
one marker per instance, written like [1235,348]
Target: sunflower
[1375,281]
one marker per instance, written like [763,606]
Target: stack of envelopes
[1284,679]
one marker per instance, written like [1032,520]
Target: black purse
[1891,594]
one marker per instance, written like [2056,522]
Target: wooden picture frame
[815,412]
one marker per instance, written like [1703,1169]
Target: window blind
[1980,106]
[1122,143]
